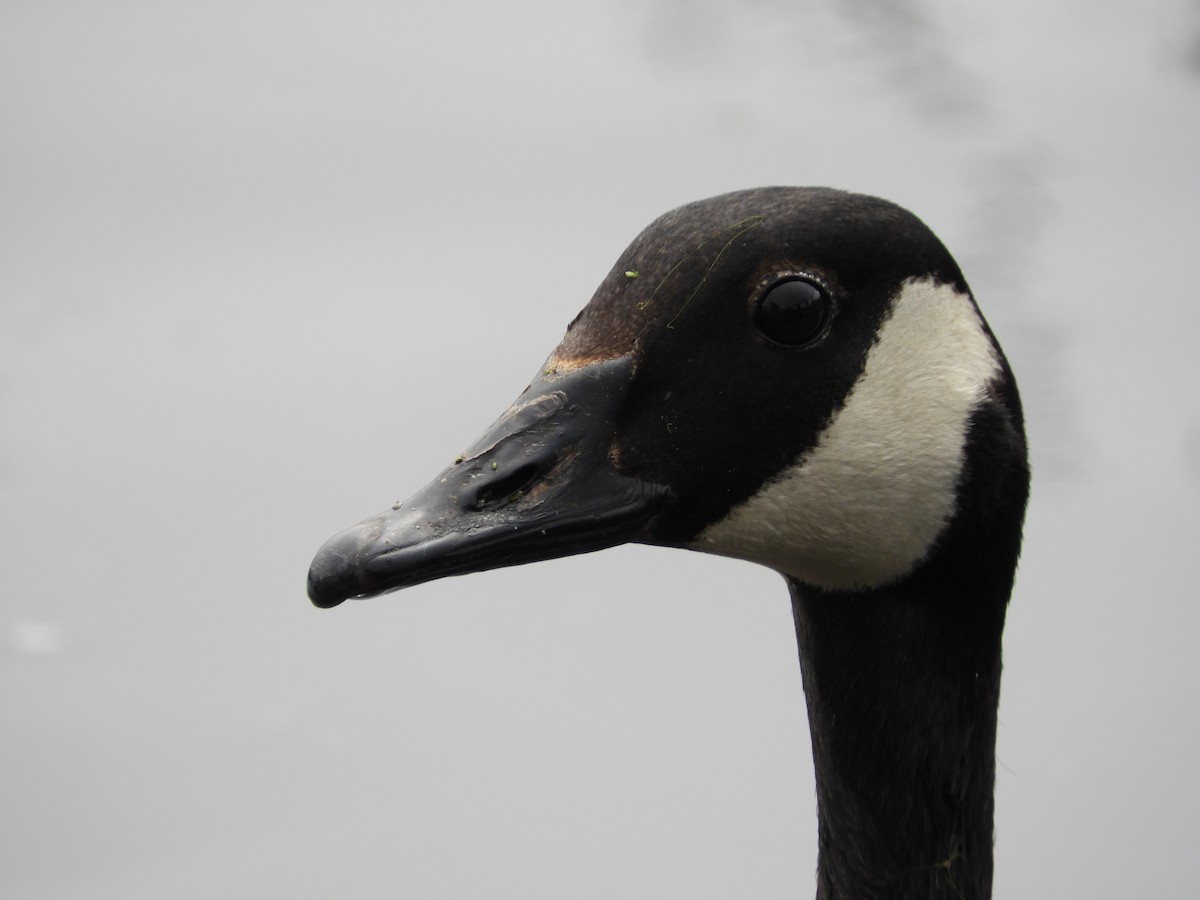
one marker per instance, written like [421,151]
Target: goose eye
[794,312]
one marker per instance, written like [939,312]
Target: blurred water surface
[265,267]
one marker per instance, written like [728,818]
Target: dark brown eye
[794,312]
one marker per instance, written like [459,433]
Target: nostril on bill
[507,486]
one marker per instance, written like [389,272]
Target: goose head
[796,377]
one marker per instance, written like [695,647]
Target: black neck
[902,685]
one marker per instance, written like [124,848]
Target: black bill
[539,484]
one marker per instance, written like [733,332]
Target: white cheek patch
[865,505]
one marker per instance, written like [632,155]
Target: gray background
[266,267]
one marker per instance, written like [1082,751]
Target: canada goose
[798,377]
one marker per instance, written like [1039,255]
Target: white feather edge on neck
[864,506]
